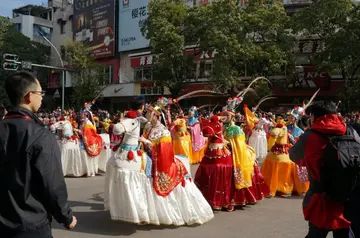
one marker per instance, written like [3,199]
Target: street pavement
[275,217]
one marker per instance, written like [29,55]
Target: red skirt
[259,187]
[214,179]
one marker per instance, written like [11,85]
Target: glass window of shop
[143,74]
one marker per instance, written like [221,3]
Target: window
[205,69]
[18,27]
[143,74]
[108,71]
[62,27]
[62,52]
[42,31]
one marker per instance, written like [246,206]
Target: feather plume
[206,105]
[196,92]
[311,99]
[242,93]
[263,100]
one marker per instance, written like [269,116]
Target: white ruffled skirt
[75,161]
[130,197]
[258,141]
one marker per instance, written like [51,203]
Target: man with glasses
[32,186]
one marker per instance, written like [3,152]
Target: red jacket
[309,149]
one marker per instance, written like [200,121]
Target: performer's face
[150,116]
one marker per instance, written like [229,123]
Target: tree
[335,23]
[89,77]
[14,42]
[248,41]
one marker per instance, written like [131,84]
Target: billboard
[132,14]
[94,23]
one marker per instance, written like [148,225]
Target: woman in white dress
[258,139]
[157,191]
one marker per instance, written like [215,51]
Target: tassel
[105,147]
[116,147]
[139,153]
[183,183]
[130,155]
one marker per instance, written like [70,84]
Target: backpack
[340,166]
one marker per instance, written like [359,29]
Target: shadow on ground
[97,221]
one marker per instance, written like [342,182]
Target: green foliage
[336,24]
[89,78]
[248,41]
[14,42]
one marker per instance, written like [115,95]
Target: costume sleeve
[297,151]
[47,161]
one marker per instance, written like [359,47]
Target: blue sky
[6,6]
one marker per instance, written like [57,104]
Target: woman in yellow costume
[248,178]
[278,170]
[181,139]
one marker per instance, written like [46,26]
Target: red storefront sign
[308,80]
[143,61]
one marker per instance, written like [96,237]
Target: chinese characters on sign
[146,60]
[139,12]
[133,14]
[94,24]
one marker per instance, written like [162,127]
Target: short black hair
[17,84]
[322,108]
[137,103]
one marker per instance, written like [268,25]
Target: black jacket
[32,186]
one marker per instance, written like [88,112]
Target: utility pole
[63,71]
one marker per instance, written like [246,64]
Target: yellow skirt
[196,156]
[182,147]
[278,172]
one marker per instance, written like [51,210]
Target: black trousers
[315,232]
[44,232]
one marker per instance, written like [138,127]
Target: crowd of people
[244,156]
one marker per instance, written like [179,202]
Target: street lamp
[63,71]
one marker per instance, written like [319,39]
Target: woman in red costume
[178,201]
[214,176]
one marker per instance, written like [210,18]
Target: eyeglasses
[41,93]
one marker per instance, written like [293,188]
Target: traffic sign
[10,66]
[56,94]
[26,65]
[10,57]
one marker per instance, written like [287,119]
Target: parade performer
[197,139]
[278,170]
[249,182]
[294,131]
[258,137]
[128,191]
[181,139]
[214,176]
[178,200]
[93,142]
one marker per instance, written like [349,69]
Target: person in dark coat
[32,186]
